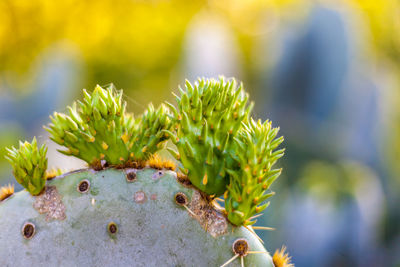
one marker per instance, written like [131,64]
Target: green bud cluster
[253,174]
[29,165]
[149,135]
[222,149]
[208,117]
[100,129]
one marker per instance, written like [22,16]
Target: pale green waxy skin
[153,231]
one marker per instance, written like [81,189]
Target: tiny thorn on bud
[205,179]
[124,138]
[255,200]
[265,186]
[104,145]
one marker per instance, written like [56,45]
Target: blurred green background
[326,72]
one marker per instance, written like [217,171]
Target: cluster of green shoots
[29,165]
[222,149]
[101,129]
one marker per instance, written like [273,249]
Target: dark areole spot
[83,186]
[112,228]
[240,247]
[131,176]
[181,199]
[28,230]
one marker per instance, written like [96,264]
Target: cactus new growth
[281,258]
[29,165]
[253,173]
[100,129]
[6,191]
[53,172]
[130,207]
[209,116]
[149,136]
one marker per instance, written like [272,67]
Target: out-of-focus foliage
[134,43]
[129,42]
[382,19]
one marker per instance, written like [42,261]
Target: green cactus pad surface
[209,115]
[29,165]
[119,217]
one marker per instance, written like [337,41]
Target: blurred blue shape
[327,111]
[312,71]
[56,73]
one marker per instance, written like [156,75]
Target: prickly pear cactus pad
[105,218]
[130,207]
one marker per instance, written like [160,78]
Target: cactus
[253,173]
[209,116]
[102,130]
[29,165]
[131,207]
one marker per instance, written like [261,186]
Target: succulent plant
[253,173]
[29,165]
[130,206]
[223,150]
[100,129]
[208,117]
